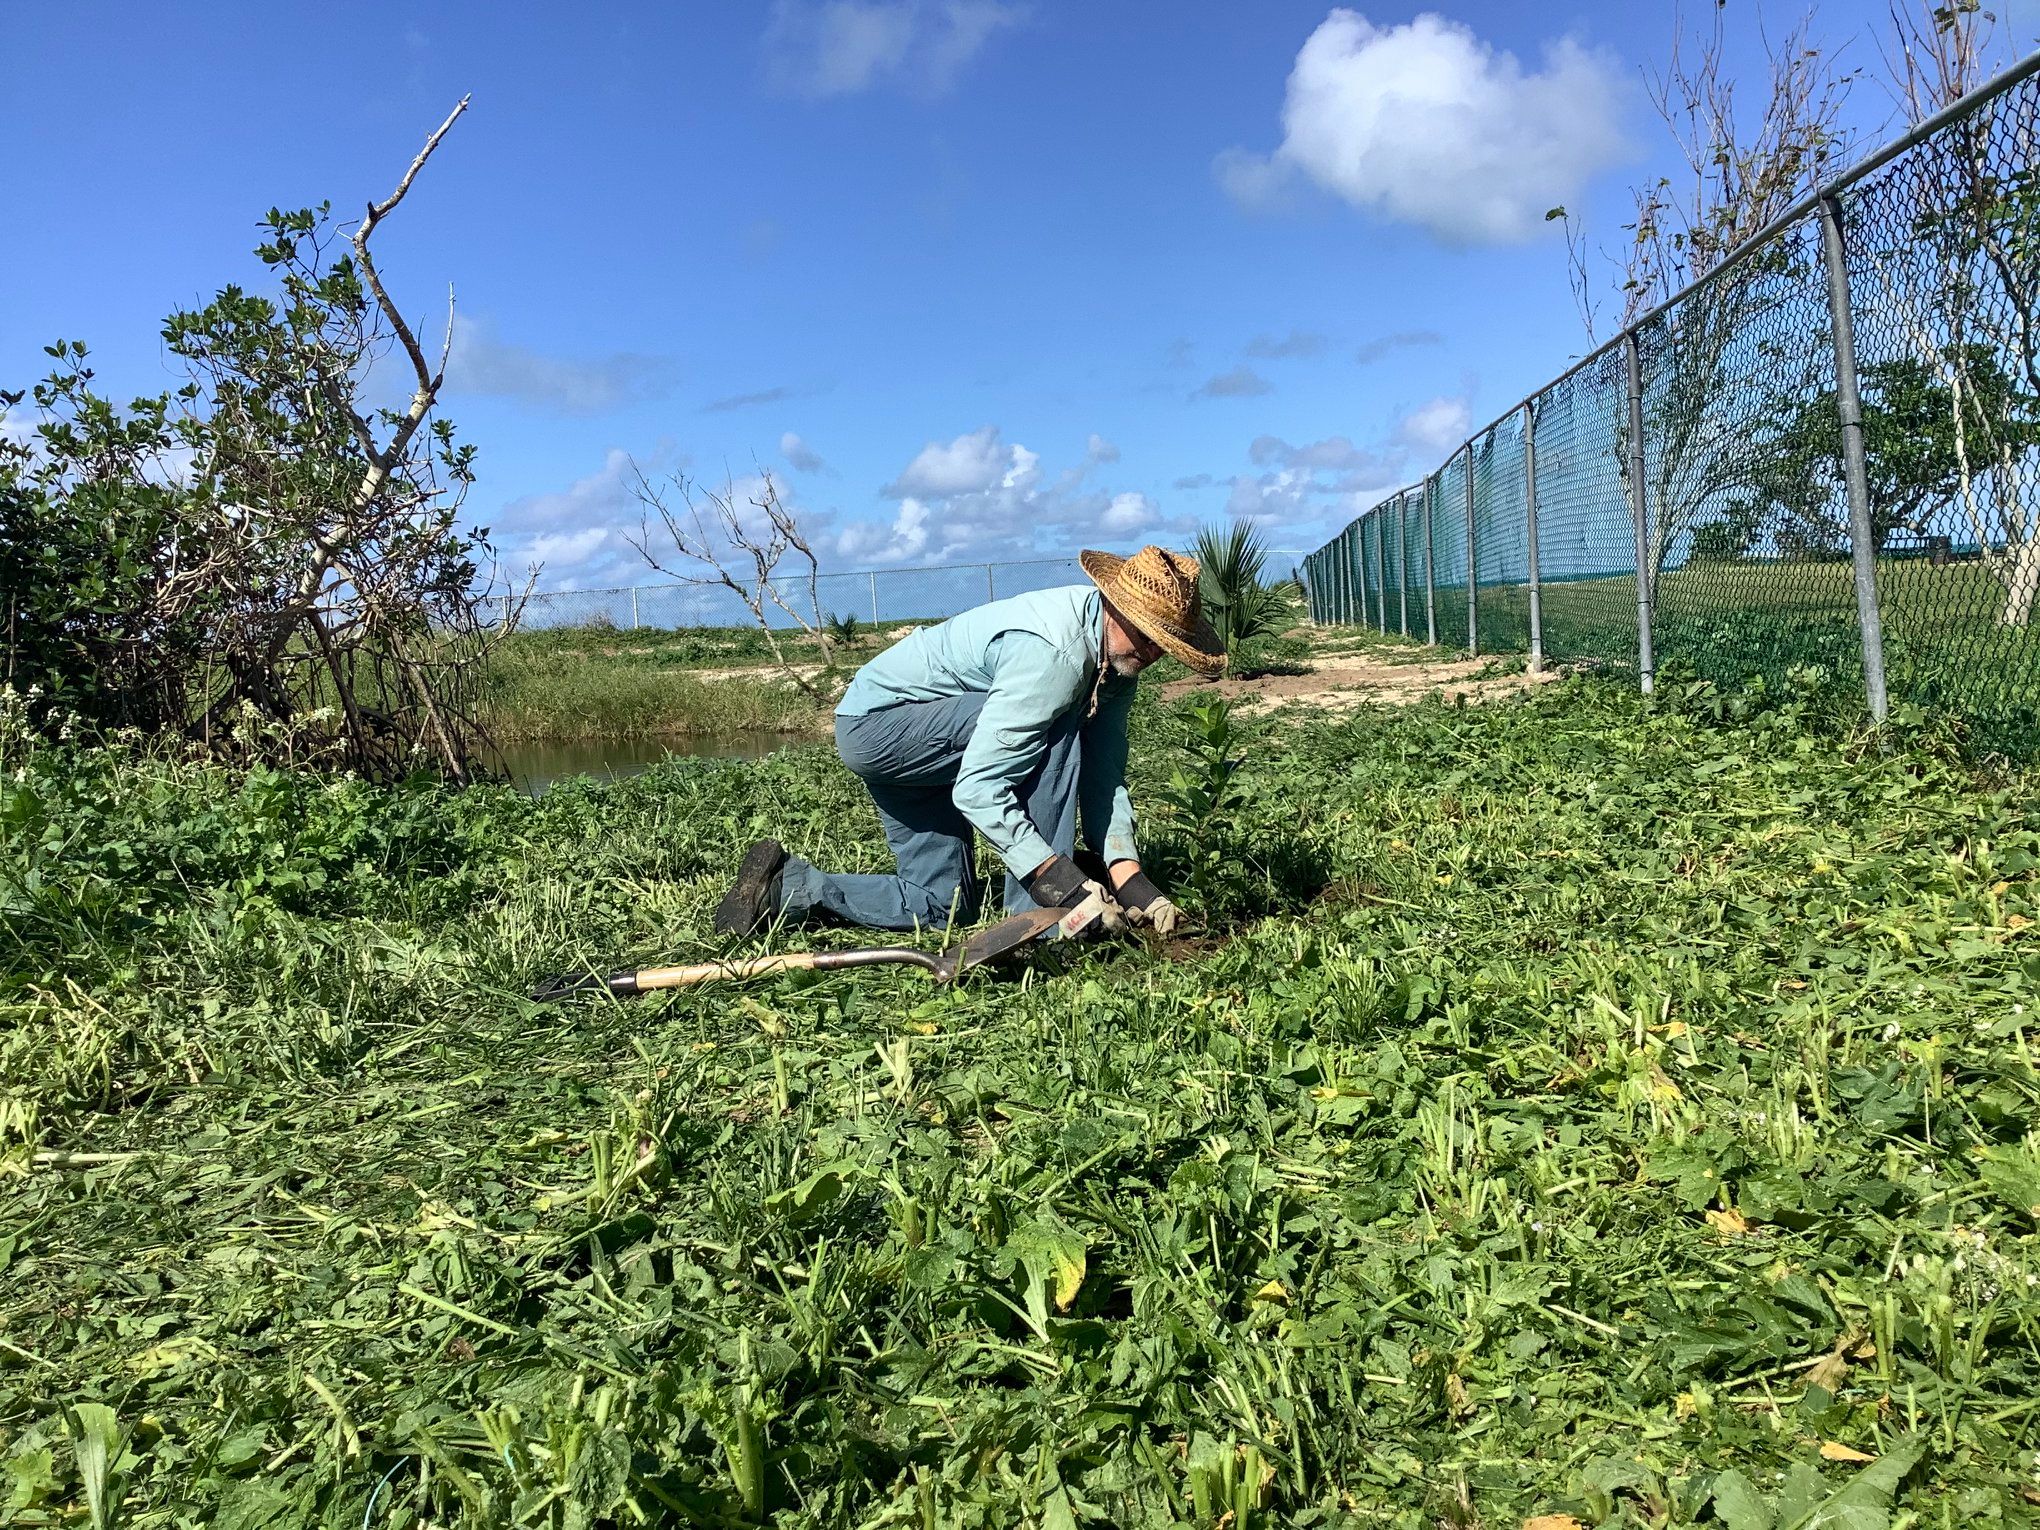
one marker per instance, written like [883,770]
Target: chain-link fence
[1822,456]
[875,597]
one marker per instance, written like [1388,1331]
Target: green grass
[1640,1104]
[545,690]
[1793,626]
[690,647]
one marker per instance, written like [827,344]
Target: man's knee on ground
[934,905]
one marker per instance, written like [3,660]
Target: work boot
[753,899]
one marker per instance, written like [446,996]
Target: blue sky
[972,279]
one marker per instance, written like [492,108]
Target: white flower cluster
[1974,1252]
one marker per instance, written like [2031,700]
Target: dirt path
[1333,680]
[1337,682]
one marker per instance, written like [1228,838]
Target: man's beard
[1124,665]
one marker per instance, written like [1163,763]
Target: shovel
[1007,935]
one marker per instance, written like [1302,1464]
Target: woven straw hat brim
[1199,646]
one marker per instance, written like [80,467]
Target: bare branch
[377,211]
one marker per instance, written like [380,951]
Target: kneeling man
[1008,720]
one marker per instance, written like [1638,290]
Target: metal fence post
[1357,535]
[1360,568]
[1355,561]
[1382,572]
[1472,571]
[1862,537]
[1430,574]
[1530,533]
[1348,541]
[991,586]
[633,608]
[1639,512]
[1402,570]
[1369,609]
[874,597]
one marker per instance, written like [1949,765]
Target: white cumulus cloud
[968,464]
[843,47]
[1437,426]
[1424,123]
[1129,512]
[569,548]
[980,497]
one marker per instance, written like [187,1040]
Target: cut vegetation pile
[1596,1112]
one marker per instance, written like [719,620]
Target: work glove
[1060,884]
[1147,904]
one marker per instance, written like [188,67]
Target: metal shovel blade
[1007,935]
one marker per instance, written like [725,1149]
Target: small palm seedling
[845,629]
[1239,605]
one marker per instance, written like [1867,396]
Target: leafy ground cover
[1571,1107]
[1785,624]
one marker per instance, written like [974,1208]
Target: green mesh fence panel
[1448,551]
[1377,582]
[1944,277]
[1749,534]
[1410,539]
[1748,537]
[1501,546]
[1586,540]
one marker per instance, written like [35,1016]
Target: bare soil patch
[1339,682]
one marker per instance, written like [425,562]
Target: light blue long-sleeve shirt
[1035,657]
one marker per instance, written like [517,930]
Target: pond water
[533,765]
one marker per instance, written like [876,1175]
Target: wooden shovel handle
[710,972]
[764,966]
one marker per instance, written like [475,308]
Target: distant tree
[1913,433]
[721,539]
[1712,359]
[1950,263]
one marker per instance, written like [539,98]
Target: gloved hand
[1147,904]
[1059,884]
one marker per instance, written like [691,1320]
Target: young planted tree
[265,543]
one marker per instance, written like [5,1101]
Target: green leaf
[814,1194]
[31,1480]
[1738,1505]
[97,1442]
[1053,1256]
[1865,1502]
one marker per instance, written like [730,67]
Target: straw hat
[1156,590]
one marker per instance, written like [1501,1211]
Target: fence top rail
[1954,111]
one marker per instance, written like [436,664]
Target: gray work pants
[907,757]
